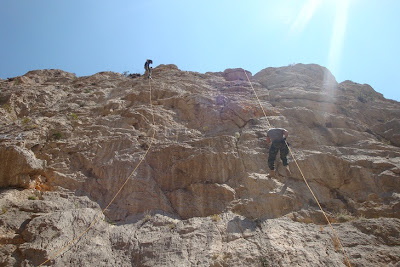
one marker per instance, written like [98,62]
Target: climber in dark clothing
[277,138]
[148,68]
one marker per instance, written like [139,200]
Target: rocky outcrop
[227,239]
[389,131]
[309,77]
[236,74]
[19,167]
[202,196]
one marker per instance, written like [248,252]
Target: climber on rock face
[277,138]
[148,68]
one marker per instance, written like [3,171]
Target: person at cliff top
[277,138]
[148,68]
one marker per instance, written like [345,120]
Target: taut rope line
[97,218]
[304,178]
[259,102]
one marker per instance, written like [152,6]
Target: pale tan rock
[18,166]
[307,76]
[202,196]
[201,200]
[236,74]
[390,131]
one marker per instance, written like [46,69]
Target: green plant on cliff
[172,226]
[130,75]
[74,116]
[147,216]
[237,135]
[25,120]
[57,135]
[344,216]
[3,210]
[386,142]
[7,108]
[109,221]
[263,261]
[215,218]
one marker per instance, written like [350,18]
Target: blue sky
[357,40]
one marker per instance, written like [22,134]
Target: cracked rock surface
[202,196]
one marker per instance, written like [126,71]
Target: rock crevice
[202,197]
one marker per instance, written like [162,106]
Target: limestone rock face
[305,76]
[389,130]
[19,166]
[236,74]
[202,195]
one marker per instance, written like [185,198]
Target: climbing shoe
[288,172]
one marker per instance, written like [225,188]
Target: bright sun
[303,16]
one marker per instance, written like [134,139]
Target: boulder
[19,167]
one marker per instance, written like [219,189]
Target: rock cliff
[202,196]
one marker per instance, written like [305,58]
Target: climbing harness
[304,178]
[147,67]
[97,218]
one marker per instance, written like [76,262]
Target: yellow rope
[97,218]
[304,178]
[94,221]
[259,102]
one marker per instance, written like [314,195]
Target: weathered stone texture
[202,196]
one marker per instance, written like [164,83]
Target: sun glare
[304,16]
[338,30]
[338,34]
[335,48]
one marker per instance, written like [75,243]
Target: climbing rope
[304,178]
[97,218]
